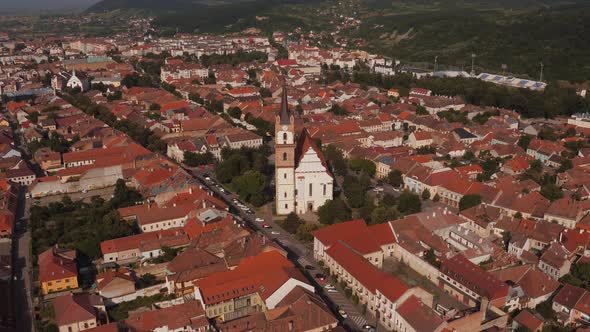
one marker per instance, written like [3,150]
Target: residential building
[57,270]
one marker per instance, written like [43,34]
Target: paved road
[23,304]
[304,255]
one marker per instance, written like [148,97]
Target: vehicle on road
[265,225]
[342,313]
[259,219]
[369,327]
[329,286]
[275,233]
[332,290]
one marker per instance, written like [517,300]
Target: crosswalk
[358,321]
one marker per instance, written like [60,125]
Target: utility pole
[541,76]
[472,63]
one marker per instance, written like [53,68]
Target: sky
[43,5]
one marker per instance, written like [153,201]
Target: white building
[303,182]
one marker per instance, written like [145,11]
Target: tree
[292,223]
[409,203]
[551,191]
[336,160]
[565,165]
[506,237]
[354,191]
[235,112]
[124,196]
[155,107]
[251,187]
[383,214]
[524,141]
[362,165]
[192,159]
[469,201]
[334,211]
[431,258]
[426,194]
[395,178]
[304,232]
[146,280]
[545,309]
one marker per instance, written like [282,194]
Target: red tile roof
[56,263]
[174,318]
[355,233]
[418,315]
[366,273]
[262,274]
[73,308]
[474,277]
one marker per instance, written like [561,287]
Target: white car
[275,233]
[259,219]
[329,287]
[331,290]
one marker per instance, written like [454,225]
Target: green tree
[506,237]
[292,223]
[426,194]
[193,159]
[304,232]
[524,141]
[336,160]
[395,178]
[551,191]
[155,107]
[362,165]
[383,214]
[251,187]
[409,203]
[354,191]
[469,201]
[334,211]
[235,112]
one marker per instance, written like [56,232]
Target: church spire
[284,115]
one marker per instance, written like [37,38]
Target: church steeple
[285,114]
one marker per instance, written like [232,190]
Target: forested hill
[519,34]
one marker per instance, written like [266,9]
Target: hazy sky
[43,5]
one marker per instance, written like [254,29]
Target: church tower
[285,158]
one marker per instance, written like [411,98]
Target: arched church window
[284,156]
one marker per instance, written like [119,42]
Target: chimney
[190,190]
[433,214]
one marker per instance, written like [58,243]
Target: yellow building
[57,270]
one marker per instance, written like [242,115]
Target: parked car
[332,290]
[342,313]
[265,225]
[275,233]
[259,219]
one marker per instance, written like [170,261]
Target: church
[302,179]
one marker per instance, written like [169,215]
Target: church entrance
[310,206]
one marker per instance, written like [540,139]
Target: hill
[519,34]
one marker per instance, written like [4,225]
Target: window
[284,156]
[285,194]
[310,189]
[284,138]
[285,175]
[324,190]
[286,206]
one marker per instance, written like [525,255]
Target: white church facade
[302,179]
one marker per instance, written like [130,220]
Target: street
[354,320]
[23,304]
